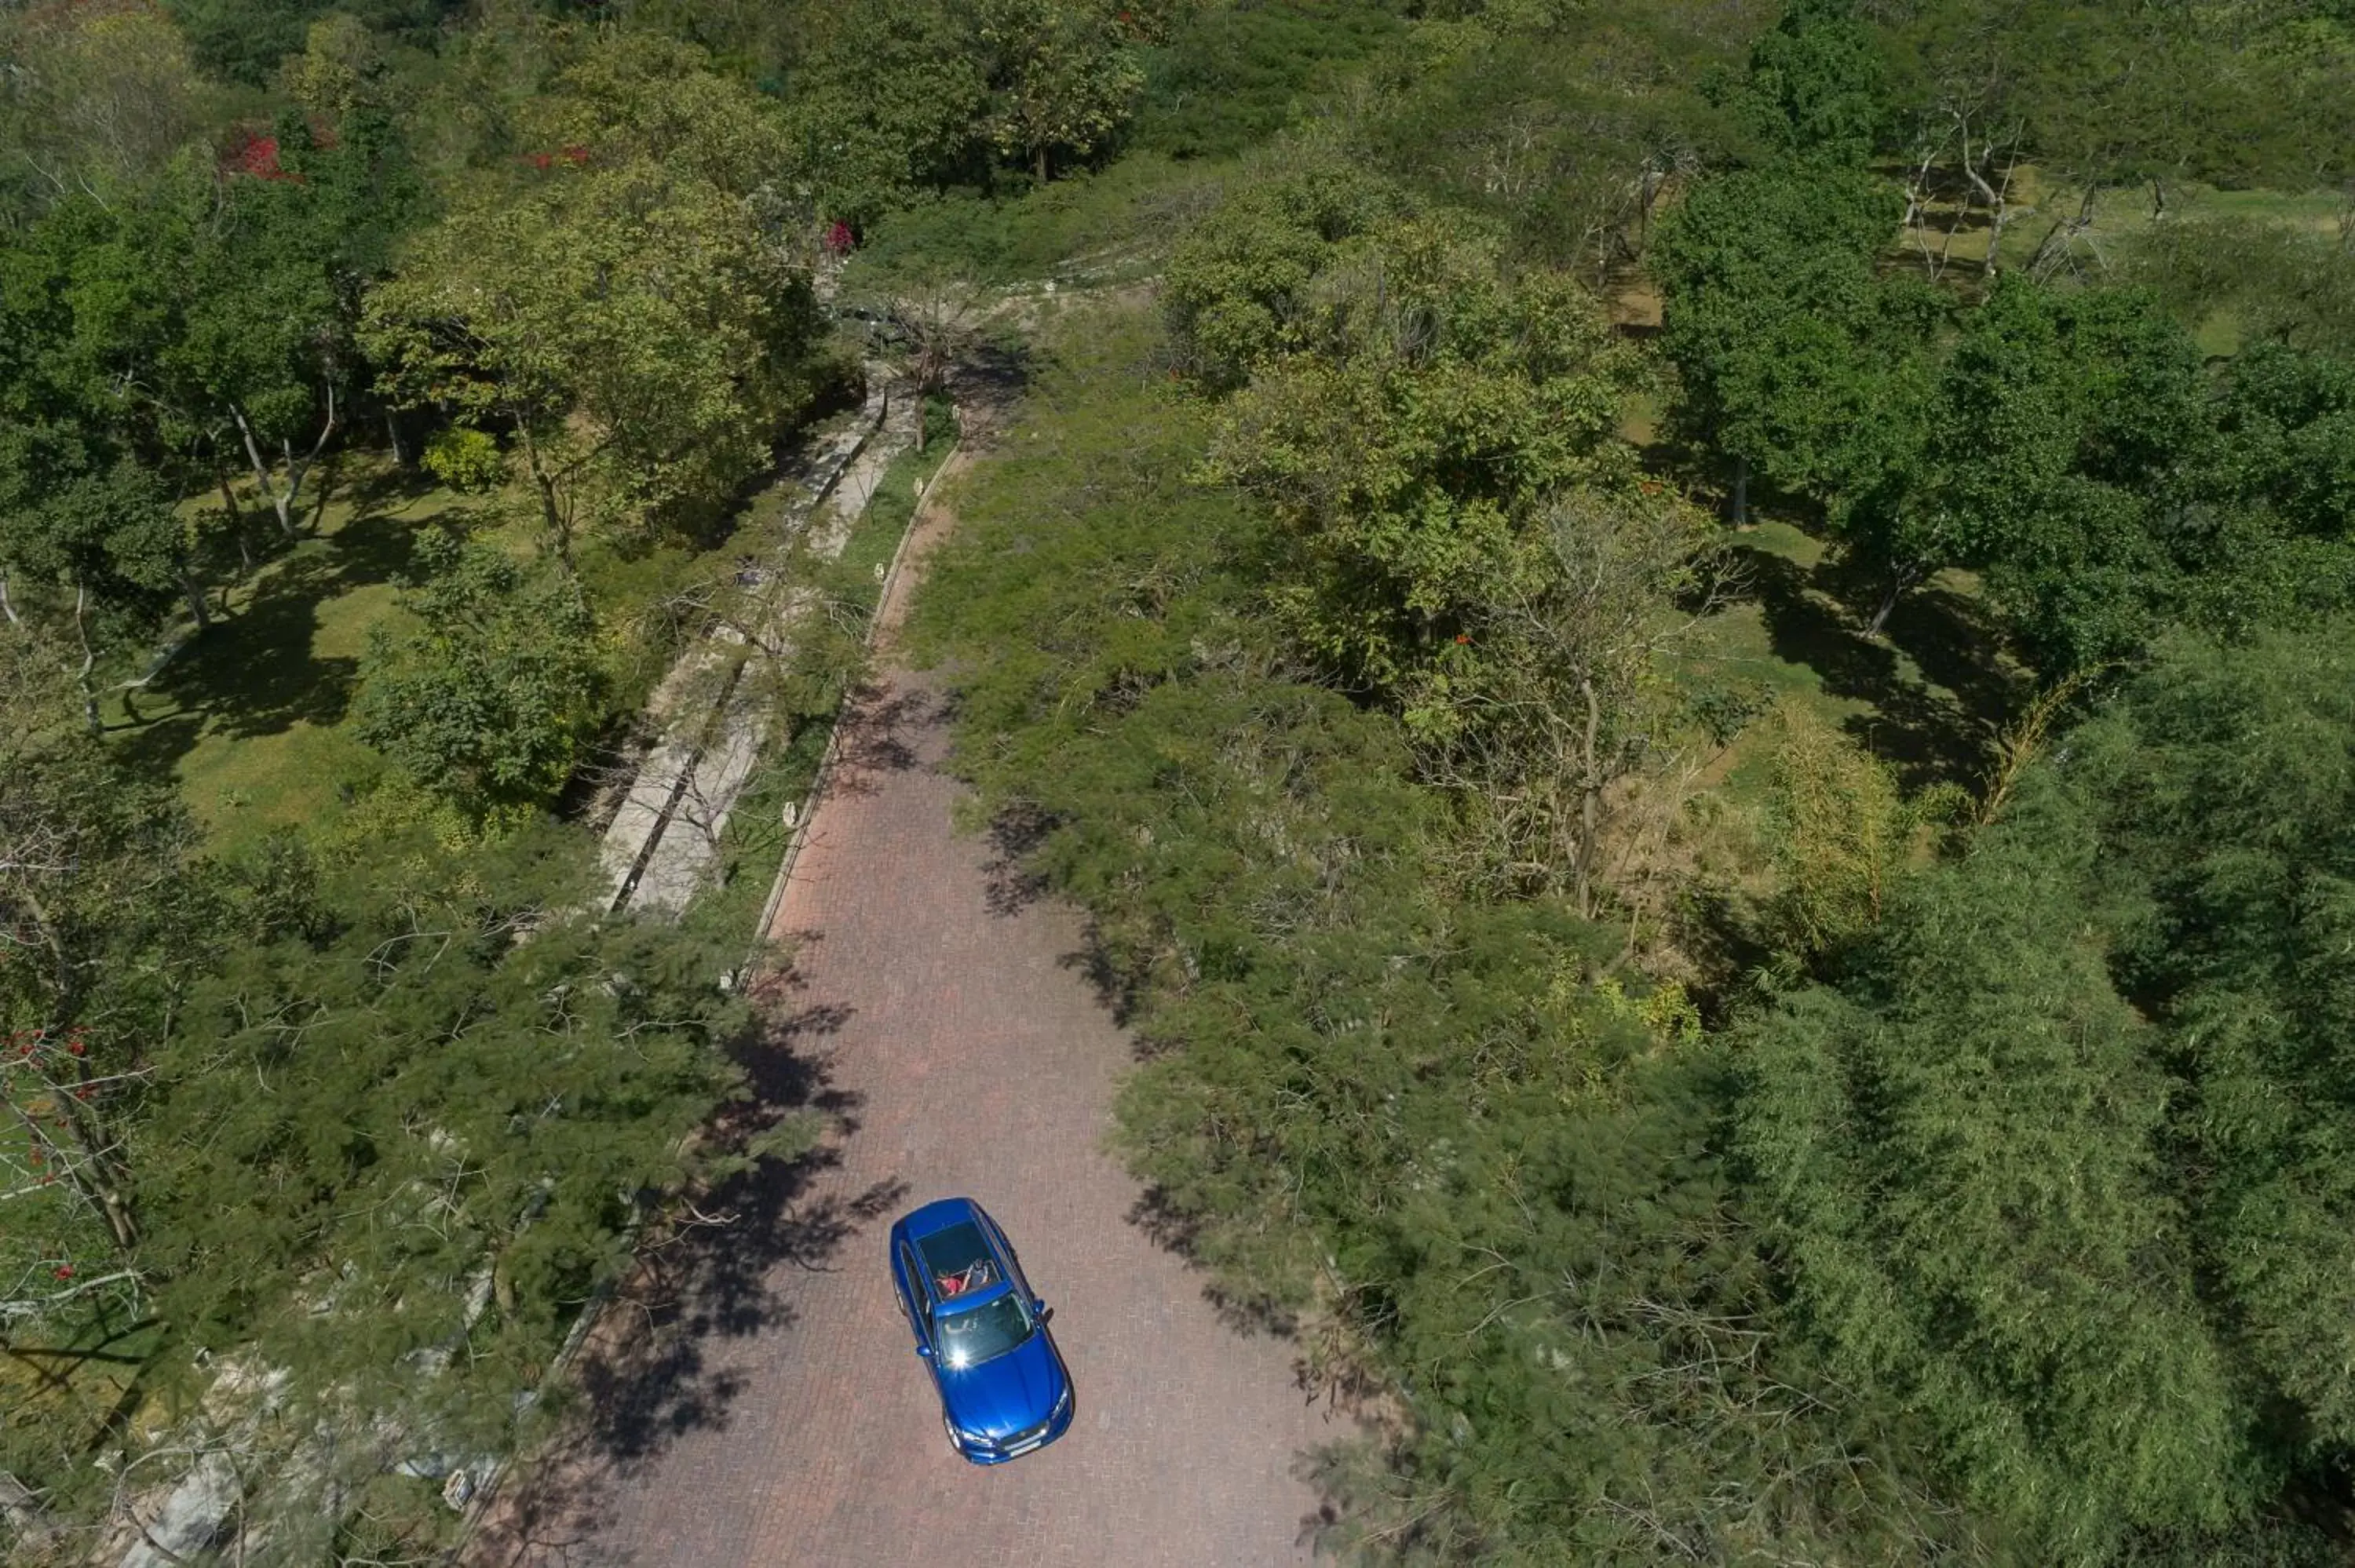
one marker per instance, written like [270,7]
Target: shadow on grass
[1934,683]
[255,674]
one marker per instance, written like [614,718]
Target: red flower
[74,1046]
[258,156]
[537,160]
[1463,640]
[65,1271]
[576,155]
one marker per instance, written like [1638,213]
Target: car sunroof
[954,1251]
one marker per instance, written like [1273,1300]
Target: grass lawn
[248,719]
[1929,696]
[2121,215]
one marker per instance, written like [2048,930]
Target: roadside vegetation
[1693,660]
[387,399]
[1763,996]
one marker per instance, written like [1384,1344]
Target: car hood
[1006,1394]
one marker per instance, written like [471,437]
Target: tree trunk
[1590,801]
[392,434]
[265,477]
[88,659]
[262,479]
[90,1176]
[1900,579]
[550,513]
[1741,492]
[1043,165]
[1998,198]
[8,604]
[237,532]
[194,592]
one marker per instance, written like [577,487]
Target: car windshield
[973,1336]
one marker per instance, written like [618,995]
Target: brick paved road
[777,1414]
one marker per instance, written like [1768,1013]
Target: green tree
[247,40]
[2066,425]
[92,898]
[1565,126]
[1814,90]
[891,104]
[488,703]
[1795,358]
[1063,78]
[100,96]
[263,333]
[105,543]
[635,329]
[395,1138]
[2224,803]
[1957,1159]
[1433,407]
[2055,1166]
[1239,287]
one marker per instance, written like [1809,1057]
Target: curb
[826,765]
[798,519]
[486,1489]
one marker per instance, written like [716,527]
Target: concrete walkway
[666,837]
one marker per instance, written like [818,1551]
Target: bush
[466,460]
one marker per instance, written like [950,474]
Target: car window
[916,1278]
[977,1333]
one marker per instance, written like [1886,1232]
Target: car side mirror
[1038,1305]
[925,1352]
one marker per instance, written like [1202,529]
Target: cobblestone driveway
[775,1413]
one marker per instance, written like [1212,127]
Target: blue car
[1003,1385]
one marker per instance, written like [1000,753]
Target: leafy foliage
[629,316]
[1428,408]
[2048,1165]
[488,704]
[1412,1125]
[394,1144]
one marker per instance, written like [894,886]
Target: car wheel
[950,1428]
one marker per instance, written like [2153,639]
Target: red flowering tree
[70,1231]
[255,155]
[96,936]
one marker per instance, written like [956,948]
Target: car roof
[943,1214]
[938,1215]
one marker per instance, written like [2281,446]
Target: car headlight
[1062,1402]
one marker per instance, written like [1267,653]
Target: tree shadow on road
[1016,834]
[875,733]
[1174,1230]
[658,1363]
